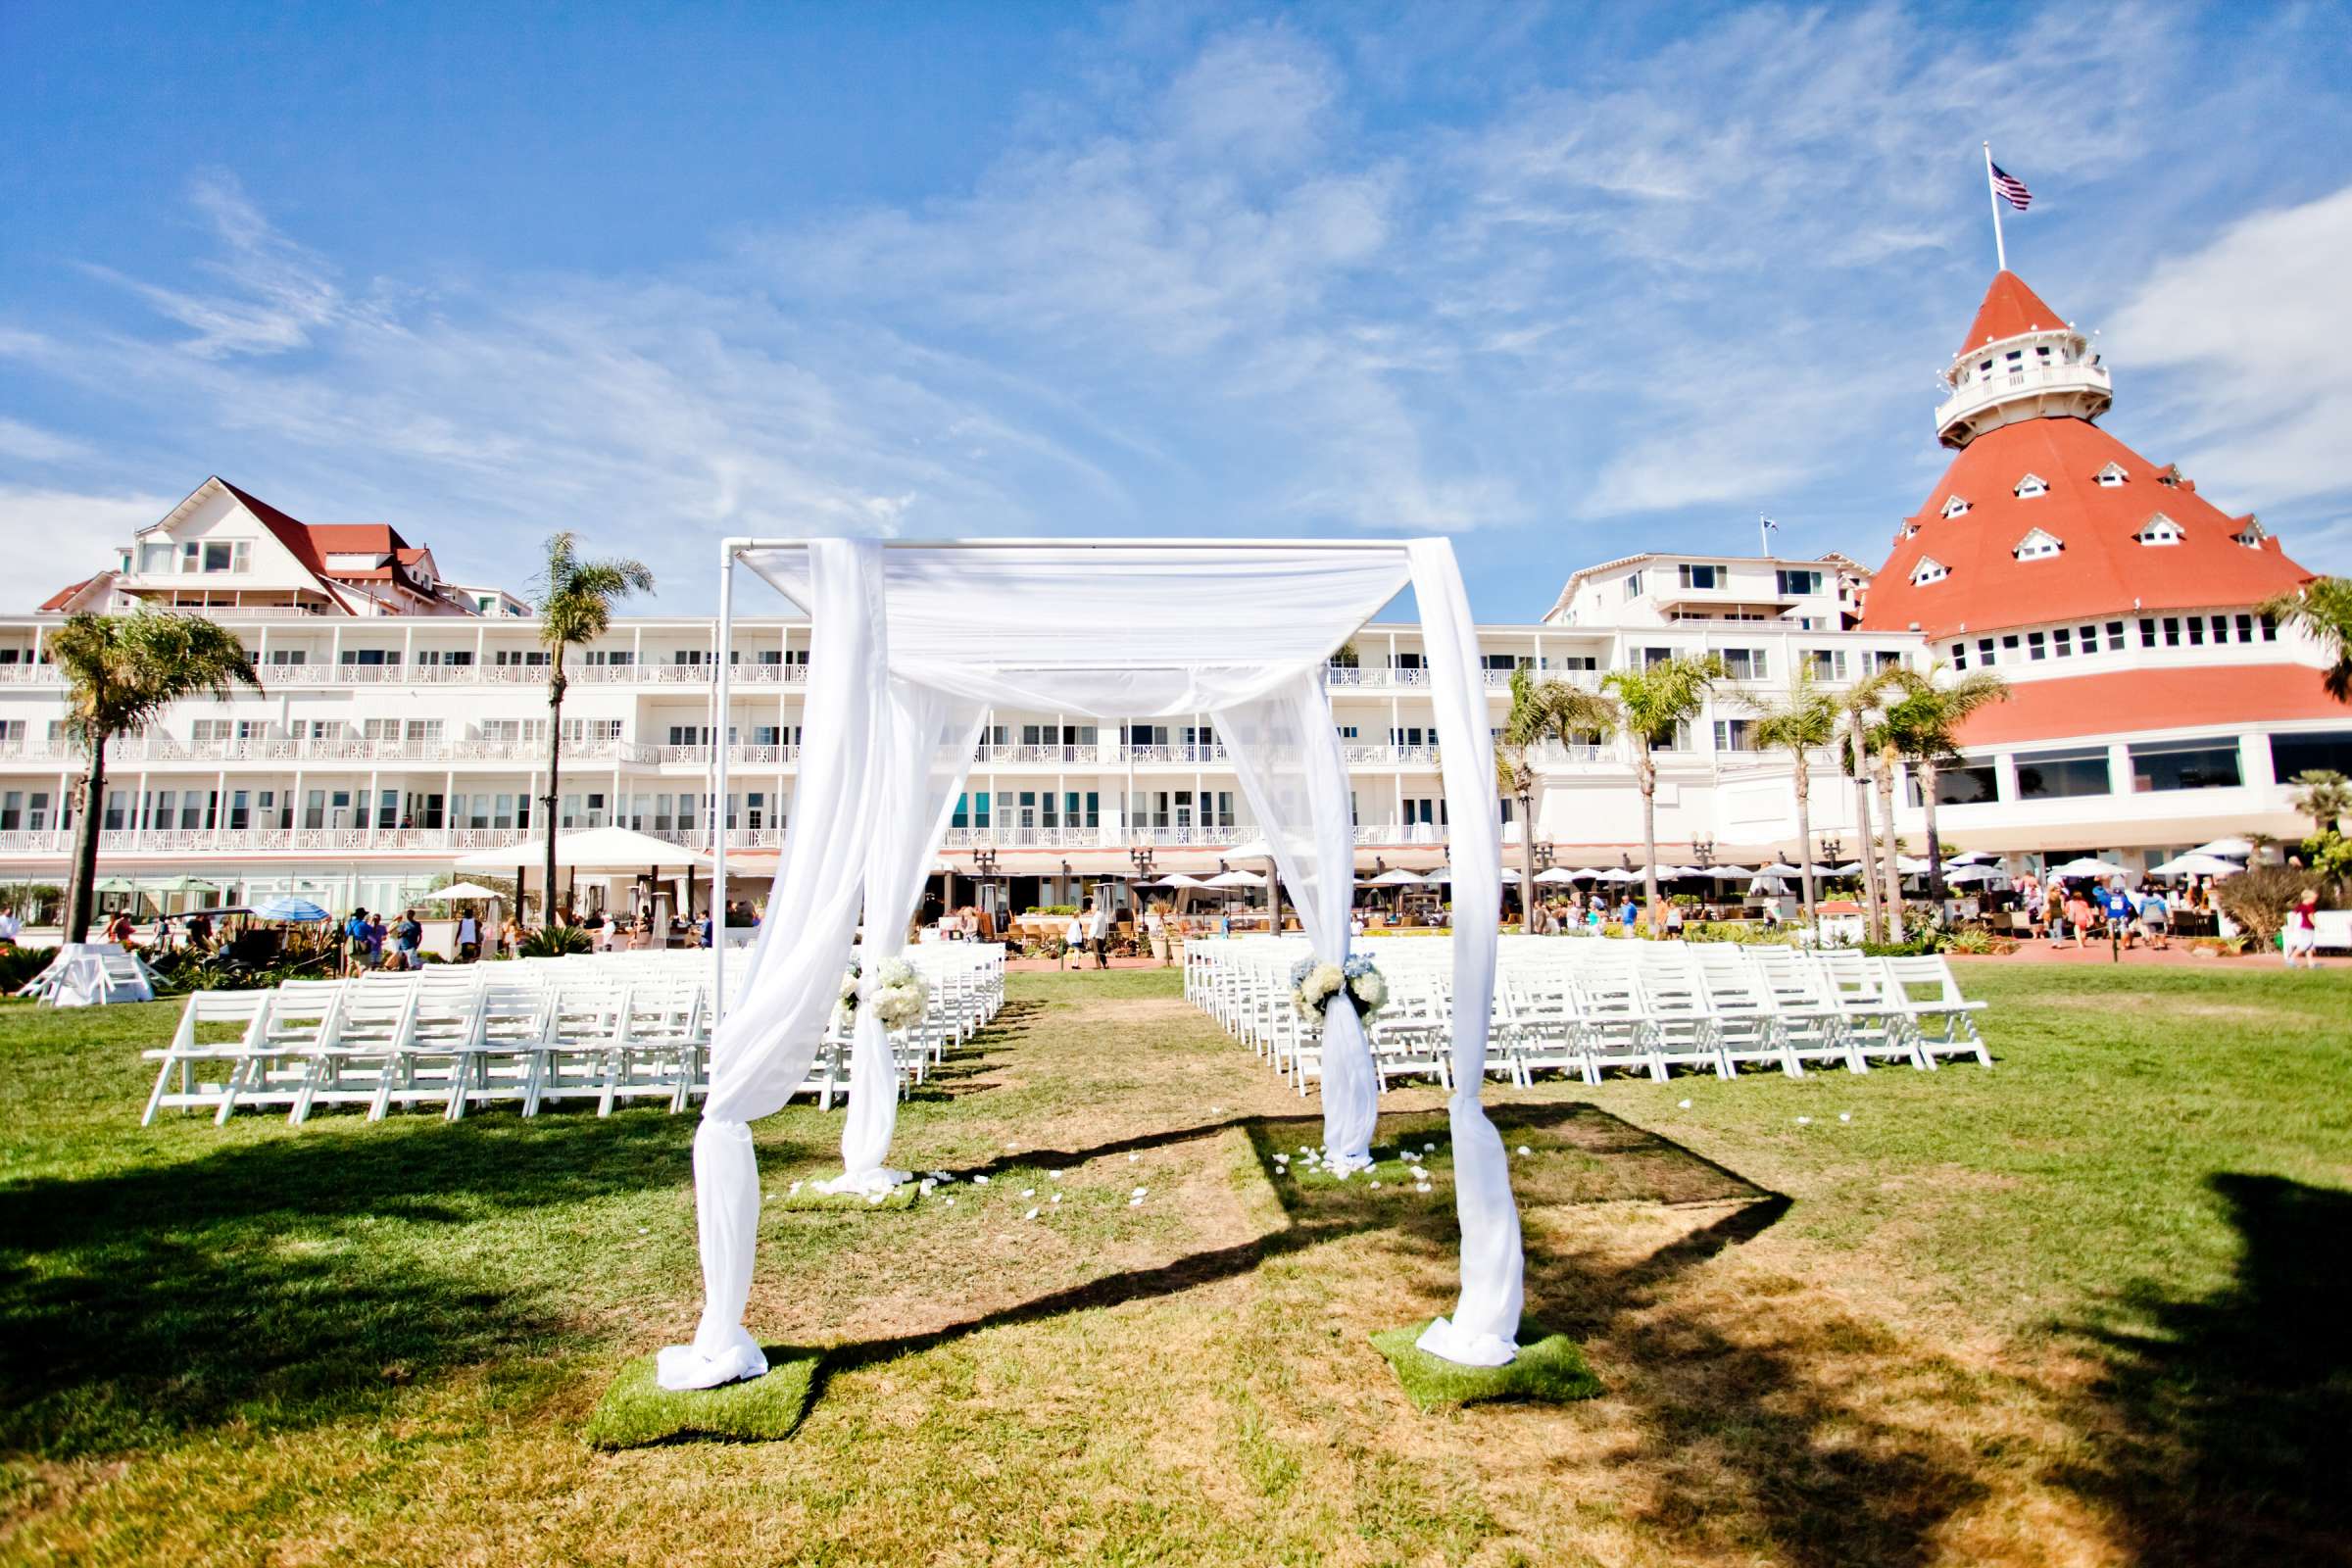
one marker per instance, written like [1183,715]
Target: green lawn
[2085,1306]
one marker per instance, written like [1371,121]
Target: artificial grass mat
[903,1196]
[1549,1368]
[637,1412]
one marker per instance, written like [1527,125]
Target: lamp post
[1703,851]
[984,868]
[1140,855]
[1544,857]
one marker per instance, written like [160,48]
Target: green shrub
[556,942]
[19,964]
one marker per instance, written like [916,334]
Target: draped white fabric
[908,645]
[1285,751]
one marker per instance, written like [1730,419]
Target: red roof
[65,596]
[2125,700]
[2009,308]
[2101,568]
[294,536]
[357,538]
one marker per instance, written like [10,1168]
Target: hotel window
[282,657]
[1655,655]
[2061,642]
[444,657]
[612,656]
[2115,637]
[2245,628]
[372,657]
[2251,535]
[155,560]
[1799,584]
[2112,475]
[1984,656]
[2330,750]
[2147,633]
[2009,648]
[2063,774]
[1829,664]
[1745,664]
[2037,546]
[1959,784]
[2269,629]
[531,656]
[2196,631]
[1954,507]
[2035,646]
[1735,735]
[2186,765]
[1959,653]
[1632,585]
[2031,485]
[1929,569]
[2172,631]
[1695,576]
[2221,629]
[201,557]
[2160,530]
[2091,639]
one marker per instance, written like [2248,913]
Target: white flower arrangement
[902,996]
[1314,985]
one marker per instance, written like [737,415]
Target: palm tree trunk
[1527,866]
[1883,771]
[1647,772]
[1804,838]
[81,899]
[1926,801]
[554,763]
[1865,843]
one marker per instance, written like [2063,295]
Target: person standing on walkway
[2302,933]
[1097,932]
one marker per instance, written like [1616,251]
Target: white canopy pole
[718,811]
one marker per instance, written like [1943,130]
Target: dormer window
[1928,570]
[2038,545]
[2160,530]
[2031,485]
[2251,535]
[2112,475]
[1954,507]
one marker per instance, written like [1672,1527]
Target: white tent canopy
[910,644]
[592,848]
[2091,865]
[462,890]
[2194,865]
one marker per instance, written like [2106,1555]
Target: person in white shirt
[470,938]
[12,929]
[1073,939]
[1098,931]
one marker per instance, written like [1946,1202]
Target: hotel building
[403,720]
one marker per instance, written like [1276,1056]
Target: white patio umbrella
[595,848]
[2090,866]
[1962,876]
[1395,878]
[462,890]
[1617,874]
[1732,873]
[1558,874]
[1251,850]
[1235,879]
[2196,865]
[1971,857]
[1849,868]
[1776,869]
[1180,879]
[2226,849]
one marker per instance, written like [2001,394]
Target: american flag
[2012,188]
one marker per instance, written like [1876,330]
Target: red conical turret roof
[2009,308]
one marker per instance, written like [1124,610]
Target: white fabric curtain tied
[1484,1325]
[1286,752]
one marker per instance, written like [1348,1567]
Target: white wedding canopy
[910,644]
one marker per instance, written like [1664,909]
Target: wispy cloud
[1244,276]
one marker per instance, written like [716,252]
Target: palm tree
[1541,710]
[1652,704]
[121,672]
[1800,723]
[1923,723]
[2324,796]
[2322,608]
[575,606]
[1859,707]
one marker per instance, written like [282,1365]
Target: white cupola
[2021,360]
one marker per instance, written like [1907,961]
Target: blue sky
[1565,283]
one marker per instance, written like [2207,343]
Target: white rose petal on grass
[951,1202]
[796,1189]
[979,1181]
[1135,1202]
[1032,1215]
[1804,1121]
[1525,1151]
[1139,1191]
[872,1199]
[1846,1115]
[1684,1103]
[1058,1198]
[1375,1187]
[1028,1192]
[1053,1175]
[1132,1159]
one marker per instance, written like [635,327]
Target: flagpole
[1764,533]
[2000,249]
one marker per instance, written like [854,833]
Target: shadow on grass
[2234,1408]
[282,1281]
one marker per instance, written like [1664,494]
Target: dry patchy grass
[381,1343]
